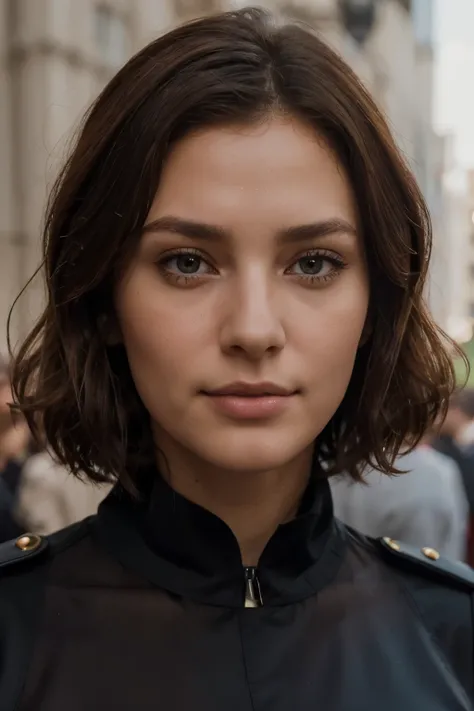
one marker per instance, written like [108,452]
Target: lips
[240,389]
[251,401]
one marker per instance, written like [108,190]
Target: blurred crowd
[36,494]
[430,503]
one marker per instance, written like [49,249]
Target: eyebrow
[201,230]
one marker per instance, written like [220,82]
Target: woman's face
[244,306]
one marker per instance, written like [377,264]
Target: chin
[251,451]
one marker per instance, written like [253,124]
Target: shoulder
[425,562]
[25,564]
[425,462]
[439,590]
[440,594]
[444,464]
[30,550]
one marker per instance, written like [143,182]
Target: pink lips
[251,401]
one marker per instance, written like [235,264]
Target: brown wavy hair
[236,67]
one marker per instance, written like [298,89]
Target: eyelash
[335,259]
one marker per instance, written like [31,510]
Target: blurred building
[452,247]
[470,228]
[55,55]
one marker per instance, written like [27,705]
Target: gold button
[28,542]
[392,544]
[430,553]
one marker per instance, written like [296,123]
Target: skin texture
[250,312]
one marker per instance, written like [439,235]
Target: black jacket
[147,607]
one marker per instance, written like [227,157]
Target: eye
[313,266]
[317,266]
[185,264]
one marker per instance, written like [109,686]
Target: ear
[109,330]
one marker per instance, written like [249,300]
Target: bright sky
[454,83]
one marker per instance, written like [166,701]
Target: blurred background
[416,56]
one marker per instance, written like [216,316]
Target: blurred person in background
[456,440]
[426,505]
[36,493]
[50,497]
[456,432]
[15,441]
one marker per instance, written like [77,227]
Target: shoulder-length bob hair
[234,67]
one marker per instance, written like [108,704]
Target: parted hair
[230,68]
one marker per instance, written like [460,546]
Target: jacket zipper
[253,594]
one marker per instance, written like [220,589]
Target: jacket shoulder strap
[18,551]
[22,583]
[427,562]
[24,569]
[443,592]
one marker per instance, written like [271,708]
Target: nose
[252,326]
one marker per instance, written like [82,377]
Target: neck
[253,504]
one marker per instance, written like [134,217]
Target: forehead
[280,172]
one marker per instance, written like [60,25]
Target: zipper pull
[253,595]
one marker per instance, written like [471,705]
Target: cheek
[161,341]
[5,397]
[331,346]
[332,331]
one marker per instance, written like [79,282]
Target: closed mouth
[251,390]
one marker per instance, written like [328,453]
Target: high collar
[187,550]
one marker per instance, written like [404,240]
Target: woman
[235,257]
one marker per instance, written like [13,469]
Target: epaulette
[427,561]
[22,549]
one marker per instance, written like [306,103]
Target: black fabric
[187,550]
[446,610]
[452,633]
[114,632]
[21,601]
[10,480]
[438,568]
[10,553]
